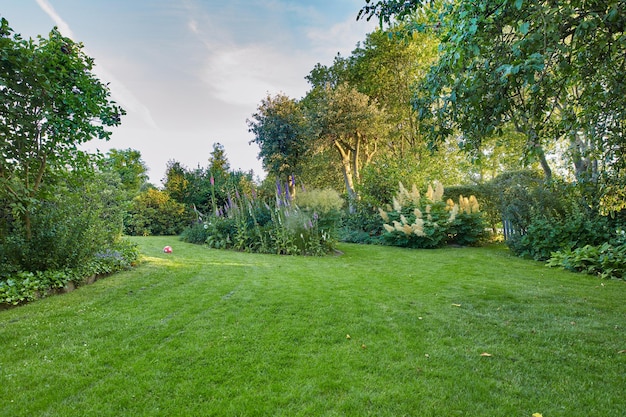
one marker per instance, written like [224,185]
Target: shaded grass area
[215,333]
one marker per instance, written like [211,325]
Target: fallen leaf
[456,305]
[363,346]
[622,351]
[537,415]
[485,354]
[347,336]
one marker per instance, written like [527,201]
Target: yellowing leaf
[456,305]
[347,336]
[537,415]
[485,354]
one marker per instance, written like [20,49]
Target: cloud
[64,28]
[119,91]
[246,74]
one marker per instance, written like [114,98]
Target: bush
[323,205]
[67,229]
[362,226]
[153,212]
[196,233]
[427,222]
[606,260]
[249,224]
[24,286]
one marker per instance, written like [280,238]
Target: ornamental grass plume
[384,215]
[473,203]
[397,206]
[438,193]
[430,193]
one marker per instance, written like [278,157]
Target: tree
[552,70]
[385,67]
[348,122]
[279,128]
[127,163]
[51,102]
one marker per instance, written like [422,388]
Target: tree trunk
[346,167]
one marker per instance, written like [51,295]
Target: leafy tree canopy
[50,102]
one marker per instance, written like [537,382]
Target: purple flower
[293,180]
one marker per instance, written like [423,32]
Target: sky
[190,72]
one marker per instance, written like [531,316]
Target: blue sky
[189,72]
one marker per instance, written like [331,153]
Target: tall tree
[279,128]
[127,163]
[353,125]
[553,70]
[50,103]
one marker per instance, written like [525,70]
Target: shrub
[427,222]
[196,233]
[67,229]
[606,260]
[24,286]
[362,226]
[323,205]
[246,223]
[153,212]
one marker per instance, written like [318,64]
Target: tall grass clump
[250,224]
[417,221]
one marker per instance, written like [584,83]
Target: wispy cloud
[64,28]
[119,91]
[243,72]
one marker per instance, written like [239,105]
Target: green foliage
[280,130]
[323,204]
[66,230]
[132,170]
[250,224]
[606,260]
[362,226]
[548,217]
[24,286]
[51,103]
[548,234]
[153,212]
[417,221]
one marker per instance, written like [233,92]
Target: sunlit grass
[375,331]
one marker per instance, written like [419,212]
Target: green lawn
[204,332]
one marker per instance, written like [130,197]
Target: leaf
[622,351]
[523,28]
[486,355]
[456,305]
[518,6]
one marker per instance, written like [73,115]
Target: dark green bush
[196,233]
[24,286]
[67,229]
[362,226]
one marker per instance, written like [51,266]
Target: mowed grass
[375,331]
